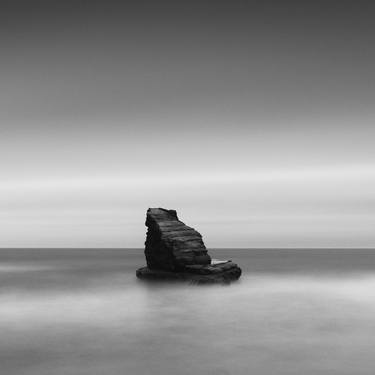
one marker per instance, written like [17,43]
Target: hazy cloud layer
[255,120]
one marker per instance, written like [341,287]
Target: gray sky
[254,120]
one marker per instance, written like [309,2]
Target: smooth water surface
[83,312]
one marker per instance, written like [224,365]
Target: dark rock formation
[170,244]
[175,251]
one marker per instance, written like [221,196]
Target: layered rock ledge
[175,251]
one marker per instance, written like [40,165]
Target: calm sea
[83,312]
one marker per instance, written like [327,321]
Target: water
[78,312]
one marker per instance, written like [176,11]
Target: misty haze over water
[82,311]
[253,119]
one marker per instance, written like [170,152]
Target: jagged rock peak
[170,244]
[175,251]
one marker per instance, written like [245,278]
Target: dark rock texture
[175,251]
[210,274]
[170,244]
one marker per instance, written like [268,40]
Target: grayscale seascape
[83,311]
[139,140]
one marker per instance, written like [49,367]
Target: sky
[253,119]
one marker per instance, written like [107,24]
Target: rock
[175,251]
[170,244]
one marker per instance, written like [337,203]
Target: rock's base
[214,273]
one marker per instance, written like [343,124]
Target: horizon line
[210,248]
